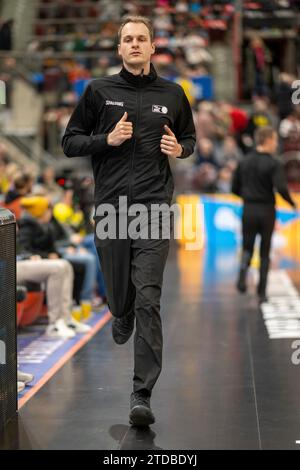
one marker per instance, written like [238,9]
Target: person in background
[35,240]
[255,181]
[57,274]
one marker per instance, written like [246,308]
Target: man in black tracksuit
[131,123]
[255,180]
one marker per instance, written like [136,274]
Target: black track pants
[259,219]
[133,273]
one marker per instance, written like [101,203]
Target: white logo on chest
[114,103]
[157,108]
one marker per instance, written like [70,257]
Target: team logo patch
[114,103]
[157,108]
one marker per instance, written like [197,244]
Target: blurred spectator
[6,34]
[206,154]
[57,274]
[206,170]
[289,131]
[22,186]
[204,121]
[223,184]
[259,117]
[47,179]
[36,236]
[4,182]
[259,59]
[7,75]
[234,118]
[283,94]
[65,212]
[228,152]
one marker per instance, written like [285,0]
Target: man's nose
[135,43]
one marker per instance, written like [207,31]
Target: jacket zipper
[139,99]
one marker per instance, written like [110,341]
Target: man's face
[135,47]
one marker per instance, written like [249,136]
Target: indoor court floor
[230,376]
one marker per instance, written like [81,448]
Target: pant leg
[67,288]
[58,281]
[115,260]
[89,244]
[148,263]
[89,262]
[267,222]
[250,229]
[133,273]
[149,258]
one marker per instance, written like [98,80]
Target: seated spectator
[236,119]
[22,185]
[289,131]
[4,183]
[206,153]
[36,235]
[282,95]
[204,121]
[228,151]
[259,117]
[11,170]
[65,223]
[47,179]
[223,184]
[57,274]
[64,211]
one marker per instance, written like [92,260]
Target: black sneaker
[122,328]
[241,282]
[140,411]
[262,298]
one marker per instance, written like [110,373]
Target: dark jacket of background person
[256,178]
[34,237]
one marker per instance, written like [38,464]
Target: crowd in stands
[55,244]
[182,34]
[225,133]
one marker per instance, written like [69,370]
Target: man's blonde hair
[137,19]
[263,133]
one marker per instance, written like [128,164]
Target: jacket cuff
[183,153]
[99,143]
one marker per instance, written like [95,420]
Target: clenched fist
[123,131]
[169,145]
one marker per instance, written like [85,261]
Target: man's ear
[153,48]
[119,49]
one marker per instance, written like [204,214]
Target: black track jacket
[137,168]
[256,178]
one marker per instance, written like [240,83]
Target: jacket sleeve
[184,128]
[236,186]
[78,140]
[280,183]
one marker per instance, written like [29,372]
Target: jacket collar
[139,81]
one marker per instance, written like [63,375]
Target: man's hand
[53,256]
[122,131]
[169,144]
